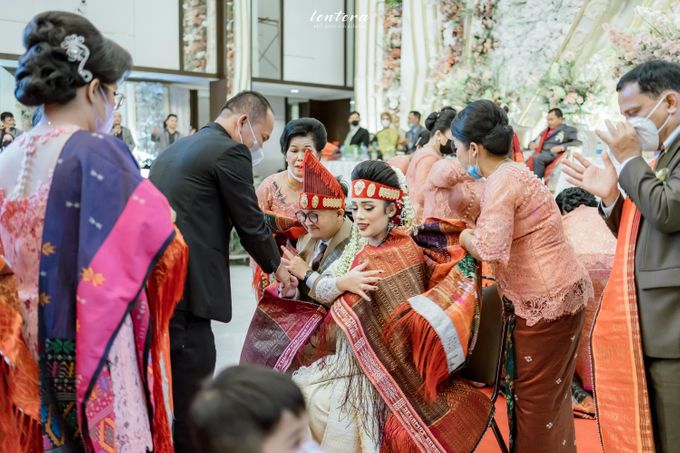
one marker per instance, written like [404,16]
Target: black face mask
[355,123]
[6,143]
[447,148]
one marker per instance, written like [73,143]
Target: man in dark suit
[552,142]
[356,135]
[649,97]
[208,180]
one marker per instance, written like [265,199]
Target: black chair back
[486,361]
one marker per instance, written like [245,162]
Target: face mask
[292,175]
[386,123]
[6,143]
[355,123]
[256,151]
[647,131]
[104,125]
[473,170]
[446,147]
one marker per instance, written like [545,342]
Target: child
[248,409]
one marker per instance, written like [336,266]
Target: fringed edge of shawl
[19,429]
[396,439]
[428,355]
[165,290]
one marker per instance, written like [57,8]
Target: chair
[485,364]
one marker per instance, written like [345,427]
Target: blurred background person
[552,142]
[168,135]
[416,135]
[122,132]
[356,135]
[9,125]
[387,138]
[439,127]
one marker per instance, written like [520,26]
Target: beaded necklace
[29,145]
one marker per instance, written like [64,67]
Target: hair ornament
[76,50]
[407,214]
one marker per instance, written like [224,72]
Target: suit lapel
[666,158]
[341,235]
[306,246]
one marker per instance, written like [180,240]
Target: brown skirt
[545,357]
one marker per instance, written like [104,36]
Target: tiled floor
[229,337]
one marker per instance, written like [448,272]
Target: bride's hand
[359,281]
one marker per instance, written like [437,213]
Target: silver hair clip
[75,48]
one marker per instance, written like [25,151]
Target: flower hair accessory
[76,50]
[407,214]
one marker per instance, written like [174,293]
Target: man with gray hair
[208,180]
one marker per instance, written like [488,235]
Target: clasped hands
[357,280]
[624,143]
[296,268]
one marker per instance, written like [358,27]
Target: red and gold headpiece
[363,188]
[320,189]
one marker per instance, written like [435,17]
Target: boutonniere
[560,136]
[661,175]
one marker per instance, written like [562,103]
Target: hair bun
[430,120]
[45,75]
[499,139]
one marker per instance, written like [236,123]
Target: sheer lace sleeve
[493,234]
[326,290]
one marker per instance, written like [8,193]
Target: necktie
[319,254]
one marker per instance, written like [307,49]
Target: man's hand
[601,182]
[282,275]
[288,290]
[295,265]
[557,149]
[532,146]
[622,140]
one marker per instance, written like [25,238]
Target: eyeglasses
[302,217]
[118,97]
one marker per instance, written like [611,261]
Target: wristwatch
[307,274]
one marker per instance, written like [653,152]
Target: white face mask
[292,175]
[256,151]
[104,125]
[647,131]
[386,123]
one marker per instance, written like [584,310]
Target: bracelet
[307,274]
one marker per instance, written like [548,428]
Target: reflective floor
[229,337]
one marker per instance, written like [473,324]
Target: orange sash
[544,136]
[622,401]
